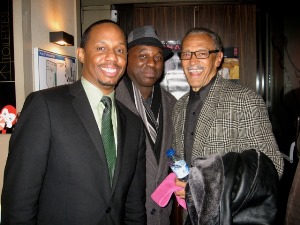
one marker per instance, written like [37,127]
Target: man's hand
[180,193]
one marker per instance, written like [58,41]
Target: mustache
[196,67]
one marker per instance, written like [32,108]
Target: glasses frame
[194,53]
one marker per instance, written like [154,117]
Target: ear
[219,59]
[80,54]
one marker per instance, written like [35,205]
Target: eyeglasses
[201,54]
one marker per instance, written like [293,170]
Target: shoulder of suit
[124,109]
[121,91]
[232,88]
[181,103]
[166,94]
[55,90]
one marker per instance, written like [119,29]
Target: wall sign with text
[8,114]
[52,69]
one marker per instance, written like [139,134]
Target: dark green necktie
[107,133]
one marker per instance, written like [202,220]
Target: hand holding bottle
[178,165]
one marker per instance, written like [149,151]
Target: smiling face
[200,71]
[145,66]
[104,56]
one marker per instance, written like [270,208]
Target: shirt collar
[94,94]
[203,92]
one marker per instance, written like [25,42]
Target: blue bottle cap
[170,152]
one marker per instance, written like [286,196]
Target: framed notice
[52,69]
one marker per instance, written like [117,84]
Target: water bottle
[178,165]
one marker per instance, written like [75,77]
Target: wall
[92,14]
[235,23]
[32,21]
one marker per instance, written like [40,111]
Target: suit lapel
[178,123]
[167,127]
[85,113]
[123,95]
[83,108]
[206,117]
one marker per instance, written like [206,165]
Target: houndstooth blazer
[233,119]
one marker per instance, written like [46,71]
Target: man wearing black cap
[140,91]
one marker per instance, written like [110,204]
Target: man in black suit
[56,172]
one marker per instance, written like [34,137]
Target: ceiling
[85,3]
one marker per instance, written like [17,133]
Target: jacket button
[108,209]
[153,211]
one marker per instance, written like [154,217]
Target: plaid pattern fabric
[233,119]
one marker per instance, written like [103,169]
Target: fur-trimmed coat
[237,188]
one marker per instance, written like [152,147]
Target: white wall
[91,14]
[32,21]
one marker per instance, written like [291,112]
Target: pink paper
[164,191]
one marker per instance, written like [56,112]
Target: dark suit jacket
[56,171]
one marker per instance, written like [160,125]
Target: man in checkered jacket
[217,116]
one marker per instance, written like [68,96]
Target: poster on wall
[230,67]
[52,69]
[8,113]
